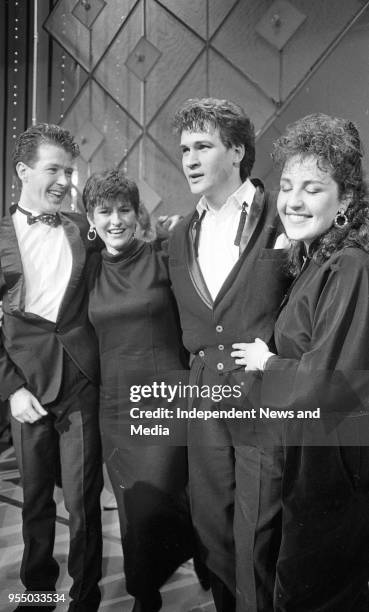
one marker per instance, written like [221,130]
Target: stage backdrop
[114,71]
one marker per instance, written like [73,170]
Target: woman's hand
[253,355]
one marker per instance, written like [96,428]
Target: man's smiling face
[46,182]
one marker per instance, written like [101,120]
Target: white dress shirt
[217,251]
[47,265]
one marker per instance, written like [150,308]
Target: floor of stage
[181,594]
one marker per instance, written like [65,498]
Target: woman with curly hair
[319,376]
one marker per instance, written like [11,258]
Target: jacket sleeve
[334,373]
[10,377]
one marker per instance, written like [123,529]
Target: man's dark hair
[27,143]
[235,127]
[109,185]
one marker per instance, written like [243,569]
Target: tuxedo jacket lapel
[252,219]
[249,230]
[73,235]
[11,265]
[193,264]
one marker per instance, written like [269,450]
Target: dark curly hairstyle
[109,185]
[335,144]
[235,127]
[27,143]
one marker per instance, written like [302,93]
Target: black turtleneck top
[134,314]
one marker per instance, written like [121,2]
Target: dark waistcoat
[247,303]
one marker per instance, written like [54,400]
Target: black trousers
[66,444]
[240,535]
[236,504]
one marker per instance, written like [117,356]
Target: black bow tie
[52,219]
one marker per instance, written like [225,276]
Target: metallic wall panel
[202,47]
[323,24]
[75,37]
[224,78]
[67,78]
[203,16]
[120,132]
[17,112]
[164,177]
[218,11]
[112,72]
[238,41]
[193,85]
[192,13]
[178,48]
[3,80]
[339,87]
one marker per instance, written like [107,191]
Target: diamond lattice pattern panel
[178,49]
[119,132]
[239,41]
[87,45]
[144,57]
[194,13]
[163,177]
[67,80]
[325,20]
[223,78]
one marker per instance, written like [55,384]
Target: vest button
[202,353]
[220,366]
[221,347]
[219,328]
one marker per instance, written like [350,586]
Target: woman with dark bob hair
[318,380]
[134,315]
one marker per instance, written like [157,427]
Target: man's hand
[165,225]
[253,355]
[25,407]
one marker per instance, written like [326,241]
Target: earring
[340,220]
[91,234]
[236,164]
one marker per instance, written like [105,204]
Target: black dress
[135,318]
[322,339]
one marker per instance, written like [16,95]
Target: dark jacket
[248,301]
[31,348]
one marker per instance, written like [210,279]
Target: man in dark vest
[227,276]
[48,367]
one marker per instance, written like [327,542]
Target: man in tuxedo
[48,366]
[227,276]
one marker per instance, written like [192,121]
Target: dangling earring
[340,220]
[91,234]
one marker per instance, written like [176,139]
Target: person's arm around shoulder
[165,225]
